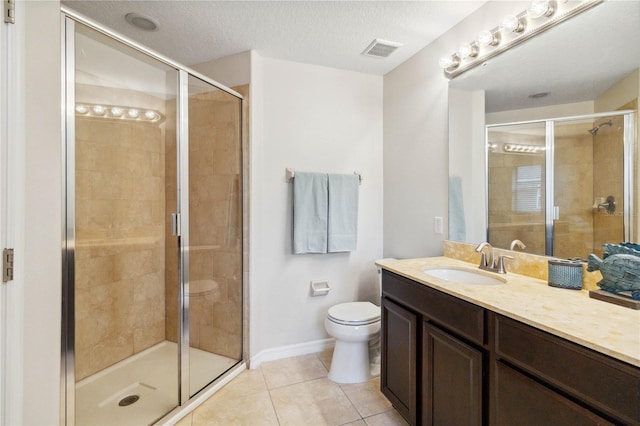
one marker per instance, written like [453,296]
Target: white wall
[312,119]
[416,139]
[34,340]
[234,70]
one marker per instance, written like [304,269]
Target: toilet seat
[354,313]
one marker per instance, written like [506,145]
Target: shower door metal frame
[68,19]
[629,144]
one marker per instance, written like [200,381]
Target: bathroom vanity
[510,354]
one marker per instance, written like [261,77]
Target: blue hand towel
[310,208]
[343,212]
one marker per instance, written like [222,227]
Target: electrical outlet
[437,224]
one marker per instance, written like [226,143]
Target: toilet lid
[354,313]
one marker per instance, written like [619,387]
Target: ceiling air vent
[381,48]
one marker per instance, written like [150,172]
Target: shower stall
[153,231]
[563,186]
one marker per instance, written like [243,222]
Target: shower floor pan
[108,397]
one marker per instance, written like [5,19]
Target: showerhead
[594,131]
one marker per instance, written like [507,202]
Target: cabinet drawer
[451,313]
[606,384]
[520,400]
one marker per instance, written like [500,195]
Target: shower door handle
[175,224]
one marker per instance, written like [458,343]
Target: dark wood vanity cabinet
[451,379]
[432,355]
[563,382]
[446,361]
[399,347]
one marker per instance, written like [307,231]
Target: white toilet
[352,325]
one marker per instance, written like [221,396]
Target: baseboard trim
[281,352]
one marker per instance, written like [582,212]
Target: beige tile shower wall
[120,258]
[573,231]
[215,302]
[171,250]
[608,180]
[215,223]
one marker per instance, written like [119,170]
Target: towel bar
[291,173]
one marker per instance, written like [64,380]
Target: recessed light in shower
[142,22]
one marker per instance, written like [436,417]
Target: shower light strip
[513,30]
[117,112]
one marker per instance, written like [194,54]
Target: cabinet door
[451,380]
[522,401]
[399,349]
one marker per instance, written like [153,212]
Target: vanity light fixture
[523,149]
[488,38]
[449,62]
[98,110]
[82,109]
[116,112]
[513,30]
[467,50]
[512,24]
[538,9]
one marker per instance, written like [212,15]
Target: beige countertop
[609,329]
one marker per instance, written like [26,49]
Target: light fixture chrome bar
[505,40]
[183,213]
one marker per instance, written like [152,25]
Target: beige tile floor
[295,391]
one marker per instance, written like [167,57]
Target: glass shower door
[516,185]
[214,290]
[122,192]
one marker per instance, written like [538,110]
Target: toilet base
[350,362]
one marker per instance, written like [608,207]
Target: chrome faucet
[488,262]
[517,243]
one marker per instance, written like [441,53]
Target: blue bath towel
[457,225]
[310,209]
[343,212]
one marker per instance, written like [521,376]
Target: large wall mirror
[542,139]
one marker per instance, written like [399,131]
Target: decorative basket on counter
[565,274]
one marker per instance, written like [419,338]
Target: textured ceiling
[328,33]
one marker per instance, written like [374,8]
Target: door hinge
[9,7]
[7,265]
[175,224]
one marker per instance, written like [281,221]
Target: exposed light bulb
[512,24]
[487,38]
[133,113]
[449,62]
[117,111]
[150,115]
[82,109]
[467,50]
[539,9]
[99,110]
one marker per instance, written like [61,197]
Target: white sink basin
[465,276]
